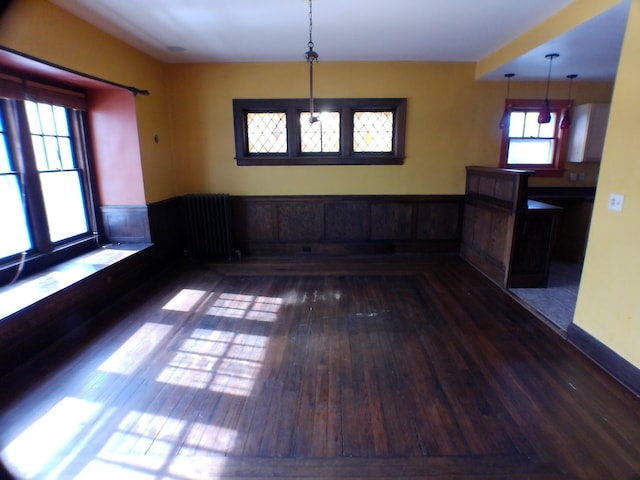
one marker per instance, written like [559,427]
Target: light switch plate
[616,200]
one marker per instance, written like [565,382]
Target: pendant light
[566,118]
[312,57]
[545,112]
[504,121]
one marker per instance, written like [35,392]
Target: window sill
[47,283]
[319,160]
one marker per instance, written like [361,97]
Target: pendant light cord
[550,56]
[312,57]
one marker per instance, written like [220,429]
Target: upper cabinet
[587,132]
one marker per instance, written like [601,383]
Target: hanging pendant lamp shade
[312,57]
[566,118]
[504,121]
[545,112]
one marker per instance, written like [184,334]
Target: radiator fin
[208,225]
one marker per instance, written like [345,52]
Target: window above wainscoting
[360,131]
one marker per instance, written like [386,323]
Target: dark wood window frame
[45,253]
[561,144]
[293,107]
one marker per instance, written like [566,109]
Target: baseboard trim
[619,368]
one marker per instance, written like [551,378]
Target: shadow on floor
[557,302]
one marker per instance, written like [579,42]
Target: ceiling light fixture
[566,118]
[504,121]
[545,112]
[312,57]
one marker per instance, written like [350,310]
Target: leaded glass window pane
[267,132]
[322,136]
[373,131]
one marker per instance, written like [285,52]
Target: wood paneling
[347,221]
[126,223]
[300,221]
[505,187]
[254,221]
[438,221]
[506,235]
[391,221]
[346,224]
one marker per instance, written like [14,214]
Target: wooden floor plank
[388,367]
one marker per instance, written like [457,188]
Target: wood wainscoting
[285,225]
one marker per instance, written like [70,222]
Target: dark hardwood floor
[377,367]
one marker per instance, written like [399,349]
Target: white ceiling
[358,30]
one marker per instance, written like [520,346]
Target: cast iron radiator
[208,225]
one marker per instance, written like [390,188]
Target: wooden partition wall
[506,235]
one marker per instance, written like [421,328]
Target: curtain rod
[134,90]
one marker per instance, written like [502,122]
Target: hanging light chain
[312,57]
[310,24]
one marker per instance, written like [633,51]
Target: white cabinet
[588,129]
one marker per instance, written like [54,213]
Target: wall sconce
[545,112]
[566,118]
[504,121]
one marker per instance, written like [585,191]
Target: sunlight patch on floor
[38,447]
[249,307]
[185,300]
[221,361]
[134,352]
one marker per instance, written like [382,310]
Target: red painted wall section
[116,147]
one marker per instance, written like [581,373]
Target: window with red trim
[530,145]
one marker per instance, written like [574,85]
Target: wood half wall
[358,224]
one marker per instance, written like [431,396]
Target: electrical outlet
[616,200]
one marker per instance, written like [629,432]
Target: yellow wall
[40,29]
[609,300]
[444,106]
[452,121]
